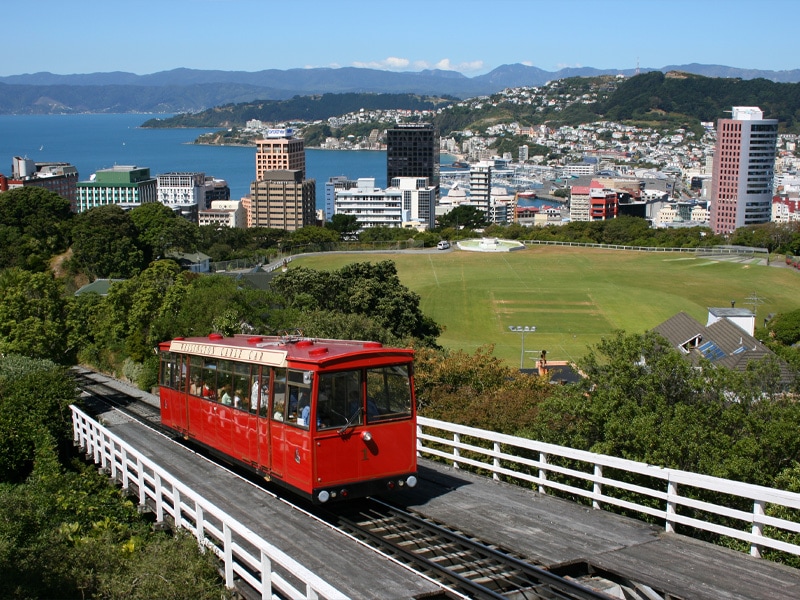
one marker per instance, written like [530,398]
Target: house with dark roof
[723,342]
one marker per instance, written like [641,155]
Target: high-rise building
[412,150]
[280,151]
[127,186]
[480,185]
[282,199]
[744,164]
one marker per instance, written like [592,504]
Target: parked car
[443,245]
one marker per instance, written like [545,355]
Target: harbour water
[98,141]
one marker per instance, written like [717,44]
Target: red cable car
[328,419]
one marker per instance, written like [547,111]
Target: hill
[190,90]
[678,98]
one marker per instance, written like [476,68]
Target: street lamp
[523,330]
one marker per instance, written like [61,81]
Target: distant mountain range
[191,90]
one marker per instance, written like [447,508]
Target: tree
[34,225]
[462,217]
[372,290]
[35,395]
[105,244]
[33,315]
[785,328]
[161,230]
[313,236]
[346,225]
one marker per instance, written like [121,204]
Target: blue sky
[469,36]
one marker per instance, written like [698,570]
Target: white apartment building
[184,193]
[224,213]
[480,184]
[371,206]
[419,200]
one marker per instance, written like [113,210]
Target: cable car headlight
[323,496]
[366,436]
[411,481]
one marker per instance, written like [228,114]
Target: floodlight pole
[523,330]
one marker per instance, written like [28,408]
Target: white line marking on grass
[436,277]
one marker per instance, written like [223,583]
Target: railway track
[465,564]
[470,567]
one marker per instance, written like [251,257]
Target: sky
[472,37]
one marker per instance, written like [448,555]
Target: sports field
[573,296]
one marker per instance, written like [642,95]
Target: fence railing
[672,497]
[244,555]
[703,250]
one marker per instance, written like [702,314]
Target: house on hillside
[726,340]
[196,262]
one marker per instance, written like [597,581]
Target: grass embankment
[574,296]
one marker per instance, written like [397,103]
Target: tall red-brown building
[744,166]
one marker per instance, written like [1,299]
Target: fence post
[496,461]
[542,472]
[758,526]
[228,554]
[159,493]
[266,577]
[672,492]
[597,488]
[456,450]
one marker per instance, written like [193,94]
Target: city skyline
[467,36]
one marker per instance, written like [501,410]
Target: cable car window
[340,401]
[196,376]
[388,393]
[298,410]
[225,382]
[208,378]
[279,395]
[170,370]
[241,385]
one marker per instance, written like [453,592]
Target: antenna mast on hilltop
[637,65]
[753,300]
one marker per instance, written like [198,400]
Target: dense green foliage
[702,98]
[371,290]
[34,226]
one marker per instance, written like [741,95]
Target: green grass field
[574,296]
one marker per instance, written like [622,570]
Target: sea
[98,141]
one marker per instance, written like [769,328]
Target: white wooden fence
[244,555]
[581,474]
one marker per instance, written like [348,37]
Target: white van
[443,245]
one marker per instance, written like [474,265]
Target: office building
[412,150]
[419,201]
[334,184]
[744,163]
[223,213]
[371,206]
[60,178]
[280,151]
[184,193]
[126,186]
[282,199]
